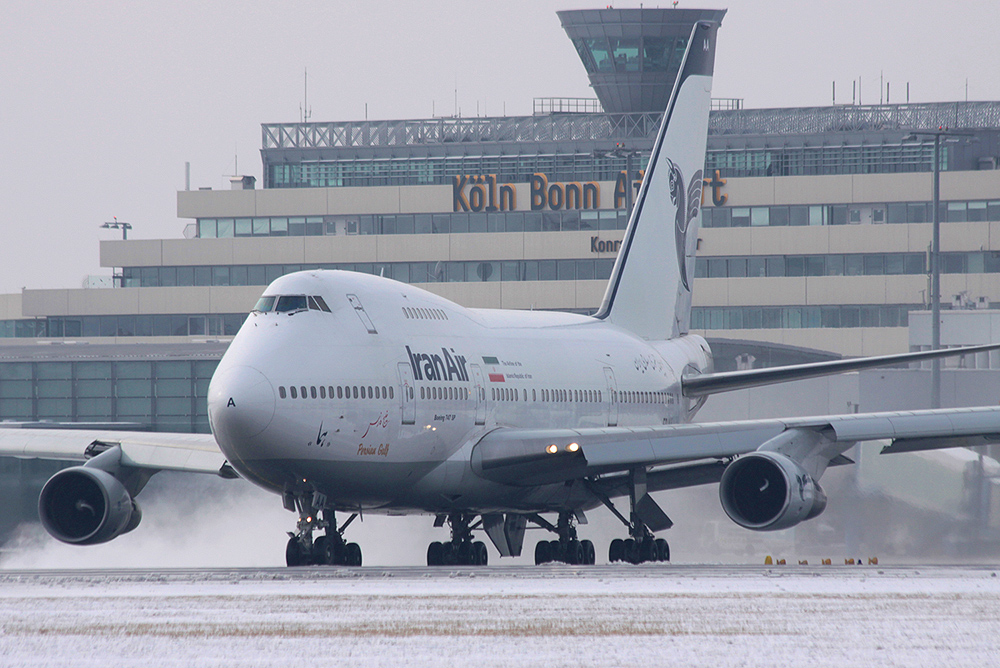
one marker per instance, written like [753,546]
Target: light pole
[935,259]
[124,227]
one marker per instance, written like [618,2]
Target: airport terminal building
[815,233]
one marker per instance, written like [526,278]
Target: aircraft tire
[647,551]
[631,551]
[435,554]
[574,552]
[353,553]
[589,553]
[294,554]
[321,551]
[616,551]
[542,552]
[662,550]
[480,553]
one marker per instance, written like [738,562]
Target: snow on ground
[550,616]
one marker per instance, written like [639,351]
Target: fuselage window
[330,391]
[340,392]
[533,396]
[264,304]
[281,391]
[294,393]
[390,392]
[524,395]
[363,395]
[312,391]
[370,395]
[288,303]
[354,391]
[422,393]
[378,392]
[322,392]
[305,394]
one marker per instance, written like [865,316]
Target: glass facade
[214,324]
[844,214]
[440,170]
[158,395]
[421,223]
[802,317]
[875,158]
[848,264]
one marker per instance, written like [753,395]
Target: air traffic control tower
[632,55]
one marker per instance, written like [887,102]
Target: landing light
[552,449]
[572,447]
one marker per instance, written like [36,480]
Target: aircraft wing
[196,453]
[690,454]
[727,381]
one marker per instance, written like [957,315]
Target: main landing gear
[329,549]
[567,549]
[645,517]
[461,550]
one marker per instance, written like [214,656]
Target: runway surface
[504,616]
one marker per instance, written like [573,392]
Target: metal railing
[598,126]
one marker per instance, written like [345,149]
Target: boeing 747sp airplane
[351,393]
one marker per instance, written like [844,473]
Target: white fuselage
[377,402]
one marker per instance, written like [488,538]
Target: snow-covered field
[507,616]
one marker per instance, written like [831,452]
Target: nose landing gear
[329,549]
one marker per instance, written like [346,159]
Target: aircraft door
[407,395]
[609,376]
[479,389]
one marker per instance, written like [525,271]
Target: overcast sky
[102,103]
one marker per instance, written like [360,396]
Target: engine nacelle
[86,505]
[767,491]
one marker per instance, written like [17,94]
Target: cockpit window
[264,304]
[288,303]
[322,304]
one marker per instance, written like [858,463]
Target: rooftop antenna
[116,225]
[305,111]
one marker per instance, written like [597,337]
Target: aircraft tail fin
[649,292]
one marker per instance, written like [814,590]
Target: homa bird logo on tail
[687,202]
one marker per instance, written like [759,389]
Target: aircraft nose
[240,404]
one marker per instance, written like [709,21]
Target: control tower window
[626,54]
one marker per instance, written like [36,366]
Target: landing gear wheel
[662,550]
[574,552]
[352,552]
[589,554]
[322,555]
[542,555]
[647,550]
[616,551]
[480,556]
[294,554]
[435,554]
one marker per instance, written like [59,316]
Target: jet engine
[767,491]
[85,505]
